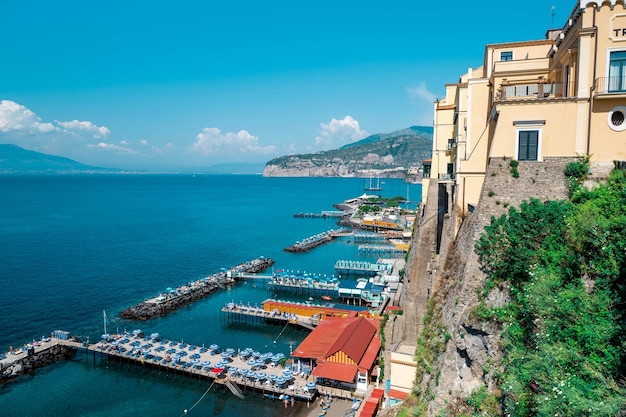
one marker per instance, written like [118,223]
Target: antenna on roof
[553,7]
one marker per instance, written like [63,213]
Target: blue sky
[189,84]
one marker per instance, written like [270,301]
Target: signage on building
[617,31]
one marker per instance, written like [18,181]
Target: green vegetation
[513,168]
[564,333]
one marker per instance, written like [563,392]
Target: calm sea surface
[73,246]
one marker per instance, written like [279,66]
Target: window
[450,169]
[617,71]
[506,56]
[527,145]
[616,118]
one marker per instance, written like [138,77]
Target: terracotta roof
[354,340]
[394,393]
[335,371]
[368,359]
[352,335]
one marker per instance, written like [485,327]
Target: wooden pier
[239,370]
[239,313]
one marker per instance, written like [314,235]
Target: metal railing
[611,85]
[533,91]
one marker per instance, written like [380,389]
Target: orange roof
[394,393]
[354,339]
[335,371]
[357,337]
[353,335]
[377,393]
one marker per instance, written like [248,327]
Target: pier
[314,241]
[304,284]
[239,370]
[368,237]
[360,268]
[174,298]
[380,249]
[245,314]
[322,215]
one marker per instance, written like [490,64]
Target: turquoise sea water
[72,246]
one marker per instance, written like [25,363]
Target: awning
[335,371]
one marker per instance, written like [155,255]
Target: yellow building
[535,101]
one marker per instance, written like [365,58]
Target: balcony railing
[532,91]
[611,85]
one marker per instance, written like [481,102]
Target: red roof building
[343,349]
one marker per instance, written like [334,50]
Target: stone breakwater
[174,298]
[30,362]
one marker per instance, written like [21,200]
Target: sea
[75,246]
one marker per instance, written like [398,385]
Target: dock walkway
[240,313]
[239,368]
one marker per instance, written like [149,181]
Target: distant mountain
[387,155]
[14,159]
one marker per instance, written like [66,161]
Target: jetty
[174,298]
[238,370]
[314,241]
[304,284]
[361,268]
[380,249]
[306,315]
[322,215]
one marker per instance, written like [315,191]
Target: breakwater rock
[33,361]
[174,298]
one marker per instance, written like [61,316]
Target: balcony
[610,86]
[535,91]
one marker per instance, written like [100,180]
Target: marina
[176,237]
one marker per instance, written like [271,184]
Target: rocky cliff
[456,353]
[391,155]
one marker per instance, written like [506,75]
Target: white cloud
[211,141]
[421,92]
[339,132]
[89,128]
[143,142]
[16,118]
[112,147]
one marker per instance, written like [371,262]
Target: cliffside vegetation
[564,330]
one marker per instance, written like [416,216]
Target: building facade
[531,101]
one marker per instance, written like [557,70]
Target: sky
[188,84]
